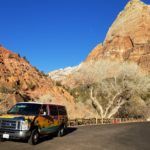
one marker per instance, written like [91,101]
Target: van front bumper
[14,134]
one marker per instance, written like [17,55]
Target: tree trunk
[97,104]
[115,109]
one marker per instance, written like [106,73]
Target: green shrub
[4,89]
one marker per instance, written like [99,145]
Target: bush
[58,83]
[112,85]
[4,89]
[11,56]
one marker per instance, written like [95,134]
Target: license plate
[6,136]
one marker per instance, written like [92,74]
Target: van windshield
[25,109]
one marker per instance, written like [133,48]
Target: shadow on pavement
[48,137]
[51,136]
[70,130]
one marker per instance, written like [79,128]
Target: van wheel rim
[62,131]
[35,138]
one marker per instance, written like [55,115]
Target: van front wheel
[1,139]
[34,138]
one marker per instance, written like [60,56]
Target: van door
[44,121]
[54,115]
[62,115]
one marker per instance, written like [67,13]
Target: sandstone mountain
[128,38]
[19,81]
[126,46]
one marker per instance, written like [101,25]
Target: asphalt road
[134,136]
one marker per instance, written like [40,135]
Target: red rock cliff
[129,36]
[19,81]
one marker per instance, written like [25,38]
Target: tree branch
[110,104]
[116,108]
[96,103]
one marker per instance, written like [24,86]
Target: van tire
[1,139]
[34,137]
[61,131]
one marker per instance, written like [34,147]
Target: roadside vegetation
[113,89]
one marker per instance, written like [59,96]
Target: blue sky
[55,34]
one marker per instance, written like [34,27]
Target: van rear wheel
[34,138]
[61,131]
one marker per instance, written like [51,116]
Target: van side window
[44,109]
[62,110]
[53,110]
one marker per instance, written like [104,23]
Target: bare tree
[112,84]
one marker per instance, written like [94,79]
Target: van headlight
[24,125]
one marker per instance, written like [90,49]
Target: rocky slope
[128,38]
[19,81]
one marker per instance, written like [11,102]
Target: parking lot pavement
[133,136]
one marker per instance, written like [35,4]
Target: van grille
[9,125]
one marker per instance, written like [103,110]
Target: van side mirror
[44,113]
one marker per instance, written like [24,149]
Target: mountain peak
[134,3]
[133,19]
[129,36]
